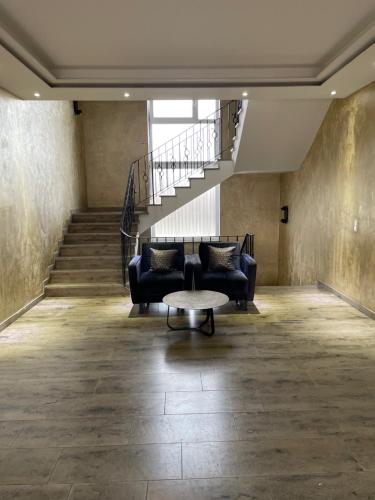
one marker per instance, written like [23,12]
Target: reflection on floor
[278,405]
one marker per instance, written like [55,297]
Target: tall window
[168,119]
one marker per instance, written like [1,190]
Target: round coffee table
[196,300]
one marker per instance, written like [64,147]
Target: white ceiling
[158,44]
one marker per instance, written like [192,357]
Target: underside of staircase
[89,260]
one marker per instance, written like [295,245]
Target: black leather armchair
[147,286]
[239,284]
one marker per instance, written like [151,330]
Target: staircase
[186,166]
[89,260]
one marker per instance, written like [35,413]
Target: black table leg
[208,319]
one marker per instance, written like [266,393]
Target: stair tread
[91,270]
[95,245]
[84,257]
[83,284]
[117,233]
[89,223]
[99,212]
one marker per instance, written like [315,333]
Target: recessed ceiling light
[36,94]
[333,92]
[126,94]
[244,94]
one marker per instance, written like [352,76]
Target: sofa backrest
[203,252]
[146,254]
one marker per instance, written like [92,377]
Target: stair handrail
[189,151]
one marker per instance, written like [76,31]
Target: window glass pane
[206,107]
[173,109]
[163,132]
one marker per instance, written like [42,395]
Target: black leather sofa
[147,286]
[239,284]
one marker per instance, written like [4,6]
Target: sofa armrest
[196,264]
[134,269]
[191,262]
[249,268]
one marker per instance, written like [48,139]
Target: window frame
[193,120]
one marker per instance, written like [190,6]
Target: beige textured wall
[115,134]
[335,185]
[250,203]
[42,179]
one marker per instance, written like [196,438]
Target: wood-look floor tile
[340,486]
[363,449]
[9,432]
[152,382]
[75,432]
[46,390]
[22,466]
[100,405]
[210,489]
[286,424]
[266,457]
[211,402]
[184,428]
[272,381]
[356,422]
[120,463]
[135,490]
[125,430]
[33,492]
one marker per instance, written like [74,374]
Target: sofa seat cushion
[214,280]
[162,282]
[232,283]
[237,282]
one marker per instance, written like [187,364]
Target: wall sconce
[76,109]
[285,214]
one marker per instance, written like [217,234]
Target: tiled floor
[279,405]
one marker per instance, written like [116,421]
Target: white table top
[195,299]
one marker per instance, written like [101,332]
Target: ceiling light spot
[333,92]
[126,94]
[244,94]
[36,94]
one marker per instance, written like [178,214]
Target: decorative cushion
[162,261]
[221,259]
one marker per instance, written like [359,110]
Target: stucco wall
[250,203]
[115,134]
[335,185]
[42,180]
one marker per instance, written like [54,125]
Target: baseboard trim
[21,311]
[365,310]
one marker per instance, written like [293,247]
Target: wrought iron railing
[191,243]
[188,154]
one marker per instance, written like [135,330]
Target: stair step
[111,249]
[86,276]
[84,289]
[93,227]
[92,237]
[84,262]
[114,217]
[101,209]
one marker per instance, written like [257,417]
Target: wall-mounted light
[285,214]
[76,109]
